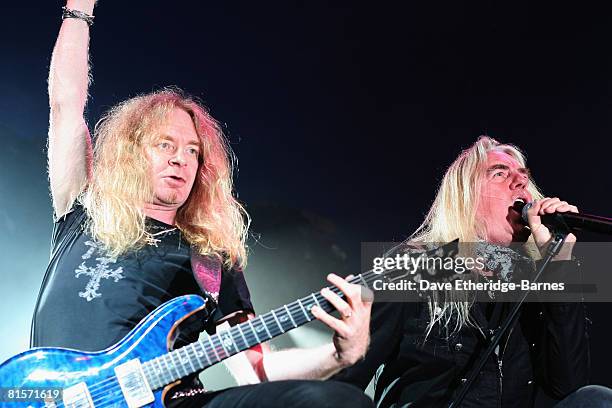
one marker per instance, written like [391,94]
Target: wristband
[69,13]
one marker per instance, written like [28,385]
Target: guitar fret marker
[246,343]
[254,331]
[160,369]
[197,354]
[193,369]
[233,336]
[221,342]
[277,322]
[227,340]
[213,347]
[304,310]
[291,317]
[265,326]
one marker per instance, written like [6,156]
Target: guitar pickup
[134,384]
[77,396]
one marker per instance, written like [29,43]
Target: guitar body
[58,368]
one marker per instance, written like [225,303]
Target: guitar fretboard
[210,350]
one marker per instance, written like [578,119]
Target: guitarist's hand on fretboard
[352,329]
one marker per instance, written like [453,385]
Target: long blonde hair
[211,220]
[453,215]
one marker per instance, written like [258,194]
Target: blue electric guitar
[139,370]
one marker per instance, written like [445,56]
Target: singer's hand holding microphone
[540,232]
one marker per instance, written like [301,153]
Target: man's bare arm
[350,341]
[70,148]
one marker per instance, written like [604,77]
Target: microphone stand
[553,249]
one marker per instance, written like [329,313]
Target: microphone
[575,221]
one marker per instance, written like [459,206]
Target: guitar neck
[210,350]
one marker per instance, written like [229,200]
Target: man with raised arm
[146,214]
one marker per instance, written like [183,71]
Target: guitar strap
[207,272]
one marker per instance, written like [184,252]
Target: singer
[427,350]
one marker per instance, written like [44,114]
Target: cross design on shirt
[100,271]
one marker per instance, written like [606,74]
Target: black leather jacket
[547,349]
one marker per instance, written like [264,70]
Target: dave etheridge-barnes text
[461,284]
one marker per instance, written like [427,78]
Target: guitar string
[104,386]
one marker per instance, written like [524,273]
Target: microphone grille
[526,208]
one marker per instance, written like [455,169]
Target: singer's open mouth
[518,205]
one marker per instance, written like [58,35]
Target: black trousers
[292,393]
